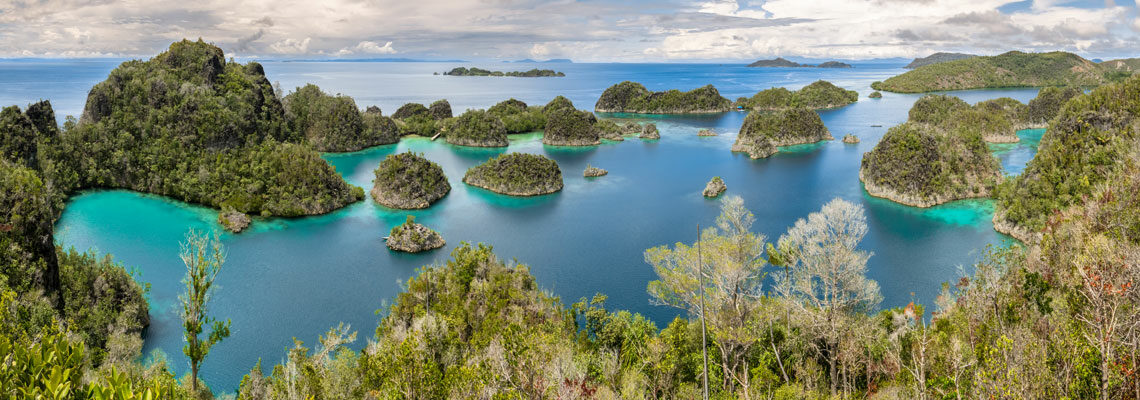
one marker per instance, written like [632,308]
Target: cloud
[291,46]
[375,48]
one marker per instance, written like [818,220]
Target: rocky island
[817,95]
[649,131]
[1012,69]
[875,95]
[850,139]
[233,220]
[516,174]
[333,123]
[632,97]
[593,172]
[764,131]
[714,188]
[417,119]
[533,73]
[780,62]
[411,237]
[569,127]
[517,117]
[477,128]
[609,130]
[408,181]
[991,118]
[706,132]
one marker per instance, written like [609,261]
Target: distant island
[780,62]
[1012,69]
[817,95]
[937,58]
[516,174]
[763,132]
[550,61]
[633,97]
[532,73]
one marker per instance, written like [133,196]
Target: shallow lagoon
[289,278]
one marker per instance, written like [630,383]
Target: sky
[585,31]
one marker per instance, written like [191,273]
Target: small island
[411,237]
[1012,69]
[780,62]
[936,58]
[476,128]
[593,172]
[533,73]
[706,132]
[233,220]
[817,95]
[632,97]
[609,130]
[875,95]
[990,118]
[850,139]
[516,174]
[570,127]
[649,131]
[714,188]
[408,181]
[763,132]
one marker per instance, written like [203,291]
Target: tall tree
[827,279]
[203,255]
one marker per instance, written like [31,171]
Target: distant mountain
[550,61]
[780,62]
[1012,69]
[937,58]
[366,60]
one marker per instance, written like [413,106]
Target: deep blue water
[289,278]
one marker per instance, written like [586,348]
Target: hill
[1012,69]
[937,58]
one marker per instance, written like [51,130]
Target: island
[408,181]
[780,62]
[476,128]
[411,237]
[176,139]
[533,73]
[233,220]
[440,110]
[570,127]
[593,172]
[875,95]
[517,117]
[633,97]
[817,95]
[1085,142]
[1014,111]
[1048,104]
[714,188]
[333,123]
[706,132]
[1012,69]
[516,174]
[850,139]
[609,130]
[763,132]
[649,131]
[937,58]
[417,119]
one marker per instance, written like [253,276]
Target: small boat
[876,126]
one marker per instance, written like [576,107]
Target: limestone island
[593,172]
[714,188]
[476,128]
[923,165]
[417,119]
[533,73]
[764,131]
[936,58]
[780,62]
[1091,134]
[570,127]
[850,139]
[334,124]
[1012,69]
[408,181]
[517,117]
[649,131]
[516,174]
[632,97]
[609,130]
[706,132]
[817,95]
[875,95]
[994,119]
[411,237]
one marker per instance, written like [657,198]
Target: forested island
[817,95]
[516,174]
[334,123]
[763,132]
[633,97]
[936,58]
[532,73]
[409,181]
[1012,69]
[780,62]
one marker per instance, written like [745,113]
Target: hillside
[1012,69]
[937,58]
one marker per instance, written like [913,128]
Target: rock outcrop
[411,237]
[233,220]
[714,188]
[850,139]
[570,127]
[706,132]
[409,181]
[649,131]
[593,172]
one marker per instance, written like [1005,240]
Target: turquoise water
[288,278]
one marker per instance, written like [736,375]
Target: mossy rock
[570,127]
[850,139]
[477,128]
[609,130]
[764,131]
[409,181]
[516,174]
[593,172]
[714,188]
[632,97]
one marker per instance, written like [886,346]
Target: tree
[826,280]
[203,255]
[732,284]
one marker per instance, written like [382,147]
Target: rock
[763,132]
[569,127]
[557,103]
[608,130]
[233,220]
[650,132]
[630,128]
[706,132]
[850,139]
[516,174]
[411,237]
[440,109]
[477,128]
[409,181]
[714,188]
[592,171]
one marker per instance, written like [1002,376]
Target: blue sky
[588,30]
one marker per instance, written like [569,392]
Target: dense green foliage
[416,119]
[1084,144]
[516,174]
[570,127]
[936,109]
[532,73]
[19,137]
[763,131]
[817,95]
[922,165]
[440,109]
[1012,69]
[333,123]
[517,117]
[1014,111]
[937,58]
[1049,102]
[408,180]
[632,97]
[477,128]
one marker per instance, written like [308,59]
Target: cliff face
[632,97]
[763,132]
[516,174]
[409,181]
